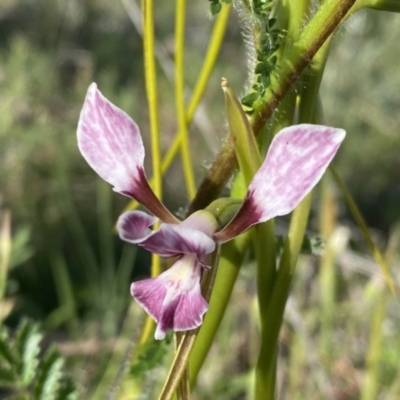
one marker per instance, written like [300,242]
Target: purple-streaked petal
[204,261]
[172,240]
[110,142]
[150,294]
[133,226]
[174,298]
[296,161]
[169,240]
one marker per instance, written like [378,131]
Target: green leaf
[5,350]
[250,98]
[151,354]
[266,80]
[215,8]
[7,377]
[314,245]
[271,22]
[260,67]
[67,390]
[22,370]
[28,345]
[21,250]
[272,60]
[246,149]
[49,376]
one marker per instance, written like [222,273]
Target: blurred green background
[71,273]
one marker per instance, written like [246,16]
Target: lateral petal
[169,240]
[172,240]
[110,142]
[297,158]
[133,226]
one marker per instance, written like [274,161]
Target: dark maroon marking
[247,216]
[167,315]
[145,196]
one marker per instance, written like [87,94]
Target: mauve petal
[174,298]
[150,294]
[296,161]
[172,240]
[110,142]
[190,310]
[133,226]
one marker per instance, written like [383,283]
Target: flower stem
[188,338]
[151,91]
[180,96]
[266,367]
[381,5]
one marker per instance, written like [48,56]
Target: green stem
[386,5]
[266,367]
[381,5]
[5,249]
[326,275]
[265,249]
[311,82]
[265,235]
[187,339]
[180,97]
[370,389]
[152,97]
[105,223]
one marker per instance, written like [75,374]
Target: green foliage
[28,375]
[216,5]
[149,356]
[21,249]
[27,343]
[268,40]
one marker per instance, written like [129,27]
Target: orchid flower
[110,142]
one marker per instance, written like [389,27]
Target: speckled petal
[110,142]
[296,161]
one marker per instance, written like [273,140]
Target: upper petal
[110,142]
[297,158]
[168,241]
